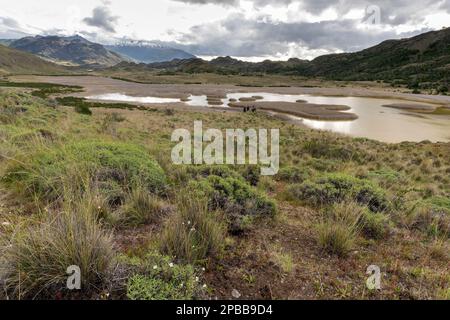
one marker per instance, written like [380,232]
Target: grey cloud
[11,29]
[220,2]
[102,18]
[237,36]
[9,22]
[393,12]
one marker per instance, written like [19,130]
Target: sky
[249,30]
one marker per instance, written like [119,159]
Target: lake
[374,122]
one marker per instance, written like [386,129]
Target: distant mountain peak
[142,51]
[139,43]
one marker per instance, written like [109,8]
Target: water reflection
[374,122]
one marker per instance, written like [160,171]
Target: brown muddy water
[374,120]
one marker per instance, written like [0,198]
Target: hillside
[68,50]
[148,52]
[15,61]
[424,58]
[220,65]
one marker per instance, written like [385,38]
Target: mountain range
[77,51]
[71,51]
[148,52]
[422,61]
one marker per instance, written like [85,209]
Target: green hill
[421,59]
[15,61]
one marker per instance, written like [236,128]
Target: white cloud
[253,29]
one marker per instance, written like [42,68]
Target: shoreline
[95,85]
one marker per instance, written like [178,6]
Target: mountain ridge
[74,50]
[148,52]
[420,62]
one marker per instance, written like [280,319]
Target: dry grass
[341,226]
[193,233]
[35,264]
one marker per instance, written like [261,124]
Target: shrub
[83,109]
[326,148]
[252,174]
[110,165]
[204,171]
[37,261]
[293,174]
[224,192]
[375,225]
[334,188]
[236,198]
[323,165]
[194,233]
[158,278]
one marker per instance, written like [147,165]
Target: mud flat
[412,107]
[304,110]
[95,85]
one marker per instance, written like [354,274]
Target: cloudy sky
[250,30]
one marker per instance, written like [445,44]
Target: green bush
[334,188]
[293,174]
[375,225]
[236,197]
[204,171]
[109,165]
[158,278]
[83,109]
[327,148]
[252,174]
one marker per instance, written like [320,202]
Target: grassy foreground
[99,191]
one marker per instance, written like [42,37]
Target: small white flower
[193,230]
[171,265]
[6,224]
[197,279]
[189,223]
[155,267]
[203,269]
[181,285]
[205,286]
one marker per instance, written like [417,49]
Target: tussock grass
[194,232]
[35,264]
[340,227]
[142,207]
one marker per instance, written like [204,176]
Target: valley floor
[100,191]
